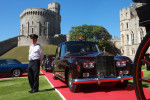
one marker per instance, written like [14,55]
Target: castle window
[142,34]
[32,30]
[22,30]
[133,51]
[127,25]
[127,39]
[132,38]
[126,14]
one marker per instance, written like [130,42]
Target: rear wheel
[73,87]
[16,73]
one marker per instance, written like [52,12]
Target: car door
[57,60]
[4,68]
[60,61]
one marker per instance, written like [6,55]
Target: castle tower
[130,32]
[55,7]
[43,22]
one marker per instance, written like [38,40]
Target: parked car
[81,62]
[46,63]
[13,67]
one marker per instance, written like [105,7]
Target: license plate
[86,74]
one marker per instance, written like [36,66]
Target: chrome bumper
[99,80]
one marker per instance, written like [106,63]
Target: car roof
[81,41]
[6,59]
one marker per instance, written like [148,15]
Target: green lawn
[21,53]
[146,74]
[17,89]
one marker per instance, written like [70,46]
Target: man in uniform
[35,57]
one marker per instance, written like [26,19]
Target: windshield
[82,48]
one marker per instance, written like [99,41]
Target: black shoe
[30,91]
[35,91]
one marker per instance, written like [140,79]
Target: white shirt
[35,52]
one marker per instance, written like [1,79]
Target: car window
[63,50]
[58,52]
[13,61]
[80,47]
[3,62]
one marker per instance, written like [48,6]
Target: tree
[94,33]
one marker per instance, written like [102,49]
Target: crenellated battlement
[36,11]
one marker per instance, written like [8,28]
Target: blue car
[13,67]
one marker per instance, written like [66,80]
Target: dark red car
[46,63]
[80,62]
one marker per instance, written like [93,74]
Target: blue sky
[73,13]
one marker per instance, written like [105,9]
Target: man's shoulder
[38,44]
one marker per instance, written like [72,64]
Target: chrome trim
[96,80]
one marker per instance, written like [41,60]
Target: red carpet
[94,92]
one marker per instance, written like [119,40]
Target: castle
[130,32]
[43,22]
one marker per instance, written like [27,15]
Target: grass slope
[21,53]
[17,89]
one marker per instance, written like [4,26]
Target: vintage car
[81,62]
[46,63]
[13,67]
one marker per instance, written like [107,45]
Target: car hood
[93,55]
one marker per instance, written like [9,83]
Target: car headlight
[88,64]
[121,63]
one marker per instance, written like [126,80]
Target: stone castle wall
[42,40]
[7,45]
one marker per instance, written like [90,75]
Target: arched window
[142,34]
[32,30]
[127,39]
[132,38]
[127,25]
[133,51]
[126,14]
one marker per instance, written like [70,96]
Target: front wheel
[54,76]
[16,73]
[73,87]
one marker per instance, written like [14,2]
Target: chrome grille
[105,66]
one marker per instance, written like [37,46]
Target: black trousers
[33,74]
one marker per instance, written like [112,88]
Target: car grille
[105,66]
